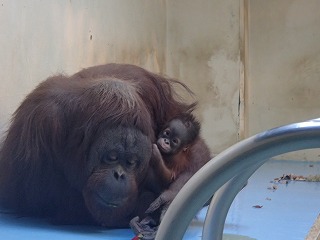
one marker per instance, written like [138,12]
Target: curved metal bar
[240,157]
[220,204]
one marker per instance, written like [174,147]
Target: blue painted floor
[287,212]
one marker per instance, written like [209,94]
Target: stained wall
[203,49]
[252,64]
[283,71]
[193,41]
[40,38]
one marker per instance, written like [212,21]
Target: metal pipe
[240,157]
[221,202]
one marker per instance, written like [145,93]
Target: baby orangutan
[170,153]
[177,155]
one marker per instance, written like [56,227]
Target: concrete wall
[194,41]
[283,77]
[203,49]
[252,64]
[41,38]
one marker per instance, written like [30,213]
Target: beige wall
[41,38]
[283,77]
[194,41]
[266,53]
[203,49]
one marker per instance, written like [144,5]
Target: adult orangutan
[79,146]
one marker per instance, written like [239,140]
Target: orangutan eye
[166,132]
[132,161]
[175,140]
[113,156]
[110,157]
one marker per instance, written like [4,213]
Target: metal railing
[226,174]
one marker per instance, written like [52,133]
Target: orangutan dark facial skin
[178,134]
[118,161]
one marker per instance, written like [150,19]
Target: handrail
[220,204]
[231,168]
